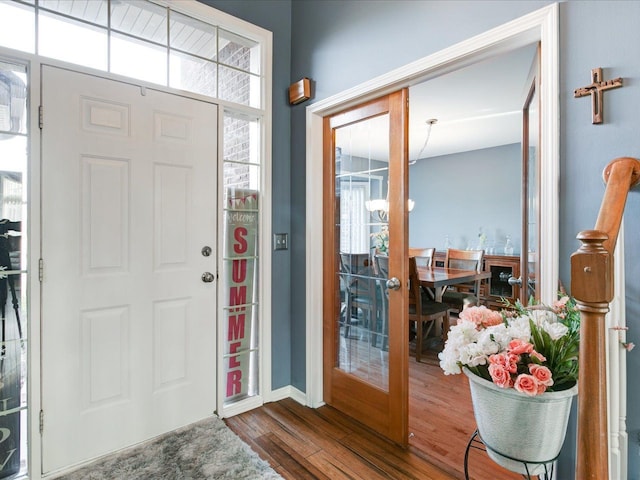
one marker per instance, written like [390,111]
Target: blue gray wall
[343,43]
[275,16]
[459,195]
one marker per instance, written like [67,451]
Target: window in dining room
[354,228]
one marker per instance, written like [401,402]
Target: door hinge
[41,420]
[40,270]
[40,117]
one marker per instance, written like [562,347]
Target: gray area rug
[205,450]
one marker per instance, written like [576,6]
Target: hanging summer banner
[240,292]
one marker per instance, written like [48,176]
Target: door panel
[128,327]
[365,327]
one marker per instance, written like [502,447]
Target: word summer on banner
[240,294]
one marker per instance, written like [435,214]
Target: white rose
[500,334]
[555,330]
[541,316]
[449,364]
[519,328]
[473,355]
[487,343]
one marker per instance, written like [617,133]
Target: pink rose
[542,374]
[500,376]
[560,307]
[481,316]
[491,318]
[538,356]
[513,361]
[507,361]
[470,314]
[528,385]
[559,304]
[518,347]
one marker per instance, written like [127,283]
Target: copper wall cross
[597,87]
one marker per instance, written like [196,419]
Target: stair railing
[592,287]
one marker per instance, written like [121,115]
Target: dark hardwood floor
[441,421]
[305,443]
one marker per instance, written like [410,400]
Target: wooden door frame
[539,26]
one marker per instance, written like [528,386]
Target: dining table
[439,278]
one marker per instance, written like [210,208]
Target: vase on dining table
[508,246]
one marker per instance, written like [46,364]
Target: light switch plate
[280,241]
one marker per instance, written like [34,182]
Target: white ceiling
[476,107]
[479,106]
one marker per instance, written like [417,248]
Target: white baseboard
[288,392]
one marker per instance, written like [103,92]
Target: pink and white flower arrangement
[531,349]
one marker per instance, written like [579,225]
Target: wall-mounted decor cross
[597,87]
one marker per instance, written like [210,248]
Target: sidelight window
[14,343]
[242,194]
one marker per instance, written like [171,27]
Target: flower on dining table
[530,349]
[381,239]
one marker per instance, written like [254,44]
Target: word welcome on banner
[240,293]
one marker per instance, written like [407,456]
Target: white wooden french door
[128,324]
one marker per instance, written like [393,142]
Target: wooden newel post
[592,287]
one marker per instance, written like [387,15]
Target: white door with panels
[129,181]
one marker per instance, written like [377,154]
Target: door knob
[393,283]
[207,277]
[515,281]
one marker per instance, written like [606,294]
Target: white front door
[128,324]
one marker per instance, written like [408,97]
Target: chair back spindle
[466,294]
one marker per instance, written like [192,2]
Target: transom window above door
[140,39]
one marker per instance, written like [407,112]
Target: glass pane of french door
[529,257]
[13,269]
[361,175]
[532,273]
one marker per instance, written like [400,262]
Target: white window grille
[139,39]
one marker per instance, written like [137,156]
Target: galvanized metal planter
[521,433]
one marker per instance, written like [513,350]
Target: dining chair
[423,310]
[424,258]
[359,293]
[463,295]
[421,252]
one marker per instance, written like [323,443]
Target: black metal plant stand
[476,443]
